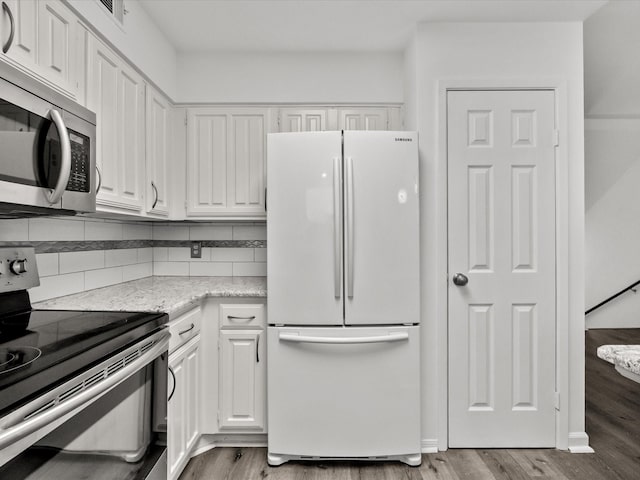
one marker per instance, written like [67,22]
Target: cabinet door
[226,161]
[116,94]
[176,412]
[246,162]
[131,105]
[242,380]
[102,94]
[363,119]
[184,406]
[303,119]
[56,44]
[157,153]
[25,31]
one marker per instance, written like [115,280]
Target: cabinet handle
[155,202]
[173,388]
[7,46]
[187,330]
[258,349]
[99,179]
[231,317]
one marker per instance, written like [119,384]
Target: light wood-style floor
[613,425]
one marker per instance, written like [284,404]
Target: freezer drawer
[341,392]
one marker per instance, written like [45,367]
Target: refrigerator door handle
[337,227]
[392,337]
[349,225]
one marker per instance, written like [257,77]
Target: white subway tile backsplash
[122,256]
[260,254]
[139,270]
[102,278]
[160,254]
[102,231]
[232,254]
[179,254]
[57,286]
[211,269]
[145,255]
[136,231]
[210,232]
[165,232]
[250,232]
[14,230]
[171,268]
[47,264]
[51,229]
[81,261]
[253,269]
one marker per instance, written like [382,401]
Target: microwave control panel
[79,180]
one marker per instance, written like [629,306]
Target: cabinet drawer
[242,315]
[184,328]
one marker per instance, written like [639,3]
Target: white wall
[500,54]
[290,77]
[612,157]
[612,220]
[139,40]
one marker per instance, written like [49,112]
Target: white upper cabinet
[39,37]
[116,93]
[312,119]
[157,154]
[363,119]
[226,150]
[19,31]
[56,43]
[304,119]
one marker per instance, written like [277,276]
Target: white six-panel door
[501,188]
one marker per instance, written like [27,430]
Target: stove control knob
[18,266]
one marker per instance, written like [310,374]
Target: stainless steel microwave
[47,150]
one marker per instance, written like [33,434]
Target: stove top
[40,349]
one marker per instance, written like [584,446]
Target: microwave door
[35,158]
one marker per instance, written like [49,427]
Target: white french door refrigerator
[343,310]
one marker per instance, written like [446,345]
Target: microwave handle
[55,195]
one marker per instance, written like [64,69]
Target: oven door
[99,421]
[47,157]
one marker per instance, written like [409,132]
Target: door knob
[460,279]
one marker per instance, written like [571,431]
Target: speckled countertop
[625,356]
[158,294]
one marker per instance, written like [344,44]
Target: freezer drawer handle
[394,337]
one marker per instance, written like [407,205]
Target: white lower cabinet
[183,408]
[242,379]
[242,372]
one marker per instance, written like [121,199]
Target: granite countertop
[625,356]
[158,294]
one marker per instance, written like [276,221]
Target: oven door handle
[15,426]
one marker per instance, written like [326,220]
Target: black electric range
[40,349]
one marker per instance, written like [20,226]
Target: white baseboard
[579,443]
[429,445]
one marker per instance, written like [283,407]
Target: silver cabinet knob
[460,279]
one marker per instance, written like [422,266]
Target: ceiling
[334,25]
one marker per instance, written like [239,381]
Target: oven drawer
[184,328]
